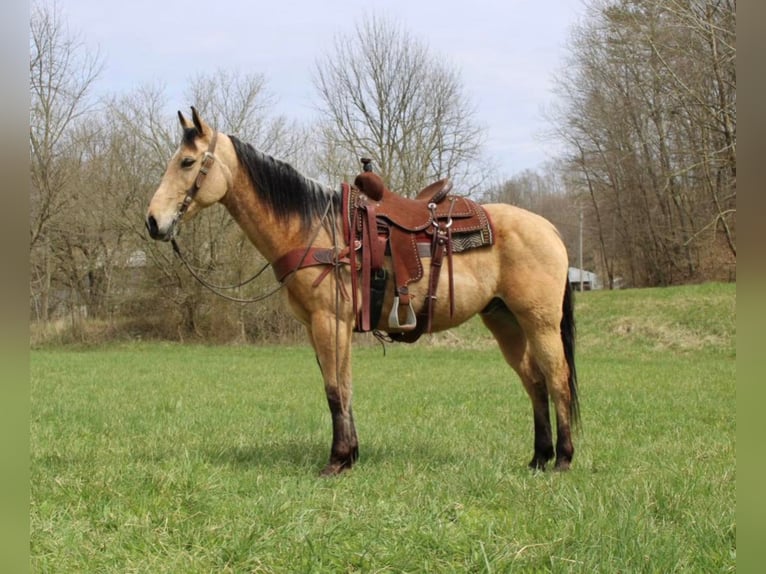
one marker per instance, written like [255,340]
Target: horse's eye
[188,162]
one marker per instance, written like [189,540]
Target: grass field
[172,458]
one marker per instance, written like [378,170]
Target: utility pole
[581,269]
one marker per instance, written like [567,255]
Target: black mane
[288,192]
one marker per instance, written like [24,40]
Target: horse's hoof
[562,465]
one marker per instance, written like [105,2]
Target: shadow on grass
[279,452]
[310,455]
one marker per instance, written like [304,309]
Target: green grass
[172,458]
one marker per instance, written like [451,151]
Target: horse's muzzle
[154,229]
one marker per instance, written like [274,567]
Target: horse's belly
[474,285]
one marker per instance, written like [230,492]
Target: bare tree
[242,105]
[649,119]
[61,75]
[94,169]
[385,95]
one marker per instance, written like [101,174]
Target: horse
[518,285]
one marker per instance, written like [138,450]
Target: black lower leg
[543,434]
[345,446]
[564,447]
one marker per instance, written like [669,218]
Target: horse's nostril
[151,225]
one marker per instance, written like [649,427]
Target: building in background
[588,279]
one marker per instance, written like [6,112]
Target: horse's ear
[185,124]
[199,123]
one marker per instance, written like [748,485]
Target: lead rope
[218,288]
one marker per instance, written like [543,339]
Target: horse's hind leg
[513,344]
[548,355]
[334,358]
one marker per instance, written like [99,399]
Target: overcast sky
[506,51]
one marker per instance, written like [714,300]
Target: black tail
[568,332]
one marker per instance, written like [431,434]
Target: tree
[386,96]
[61,75]
[649,122]
[241,104]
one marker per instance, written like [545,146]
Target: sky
[507,52]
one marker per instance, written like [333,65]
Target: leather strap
[208,159]
[297,259]
[433,281]
[370,261]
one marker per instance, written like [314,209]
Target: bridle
[208,158]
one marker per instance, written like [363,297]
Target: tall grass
[173,458]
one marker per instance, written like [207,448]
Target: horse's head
[194,179]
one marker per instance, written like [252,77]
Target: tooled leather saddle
[378,223]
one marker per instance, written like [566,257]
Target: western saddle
[378,223]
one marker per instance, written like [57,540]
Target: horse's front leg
[332,344]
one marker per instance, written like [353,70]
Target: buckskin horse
[323,247]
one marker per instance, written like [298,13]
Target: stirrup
[393,317]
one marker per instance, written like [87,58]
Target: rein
[218,288]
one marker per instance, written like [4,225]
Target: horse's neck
[272,236]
